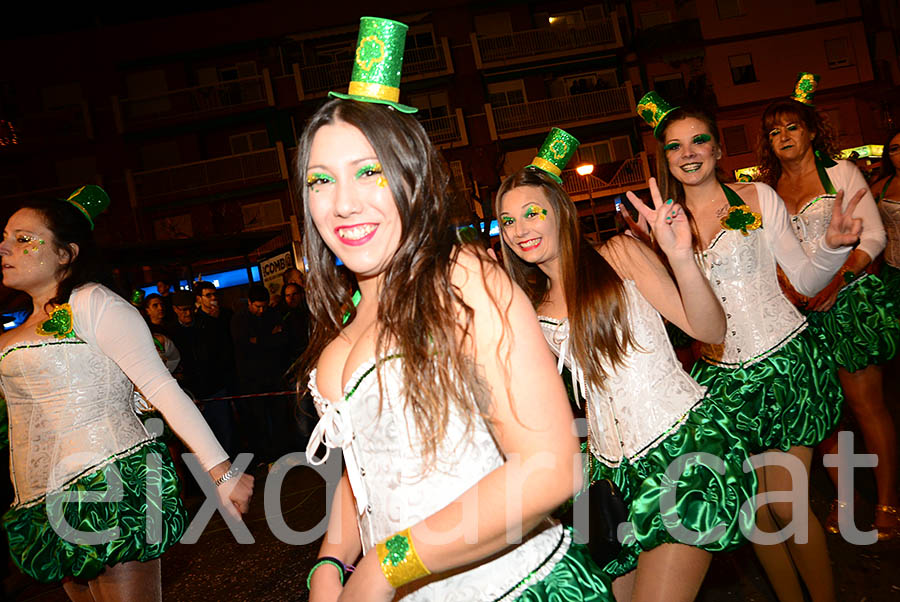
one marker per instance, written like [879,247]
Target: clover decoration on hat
[557,150]
[378,66]
[90,200]
[654,109]
[805,88]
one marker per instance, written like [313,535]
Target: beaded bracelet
[341,567]
[399,560]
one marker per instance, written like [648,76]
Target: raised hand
[668,221]
[844,229]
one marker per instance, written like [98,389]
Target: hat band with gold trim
[371,90]
[546,166]
[81,208]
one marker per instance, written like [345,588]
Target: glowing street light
[586,169]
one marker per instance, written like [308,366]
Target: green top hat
[805,88]
[378,66]
[555,153]
[654,109]
[91,200]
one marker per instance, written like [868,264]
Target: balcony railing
[198,101]
[200,177]
[447,131]
[523,46]
[530,117]
[418,63]
[632,173]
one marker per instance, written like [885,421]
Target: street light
[586,169]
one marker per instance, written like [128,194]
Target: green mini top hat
[654,109]
[805,88]
[91,200]
[555,153]
[378,66]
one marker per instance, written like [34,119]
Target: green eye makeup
[671,146]
[506,220]
[792,127]
[370,169]
[318,178]
[533,210]
[701,139]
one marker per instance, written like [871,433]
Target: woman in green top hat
[601,313]
[854,311]
[96,494]
[454,427]
[772,375]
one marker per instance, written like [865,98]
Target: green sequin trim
[60,325]
[63,342]
[398,549]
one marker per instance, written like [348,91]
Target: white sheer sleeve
[110,323]
[847,177]
[809,275]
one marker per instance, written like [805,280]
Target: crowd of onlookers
[236,362]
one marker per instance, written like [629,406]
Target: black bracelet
[345,569]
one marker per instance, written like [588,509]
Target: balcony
[448,131]
[156,186]
[608,180]
[418,63]
[545,43]
[198,102]
[539,116]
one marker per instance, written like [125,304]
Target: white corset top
[760,319]
[70,412]
[642,400]
[811,222]
[393,490]
[890,215]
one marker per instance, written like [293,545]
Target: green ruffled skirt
[861,328]
[575,578]
[792,397]
[704,498]
[890,277]
[41,552]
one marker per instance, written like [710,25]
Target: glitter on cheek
[382,181]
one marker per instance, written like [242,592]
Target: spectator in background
[295,317]
[154,312]
[292,276]
[163,289]
[259,344]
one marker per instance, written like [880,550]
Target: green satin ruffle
[678,337]
[41,553]
[704,498]
[890,277]
[575,578]
[861,328]
[792,397]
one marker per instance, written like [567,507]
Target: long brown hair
[417,305]
[594,292]
[824,137]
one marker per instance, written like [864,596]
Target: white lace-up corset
[393,491]
[760,319]
[811,222]
[70,413]
[890,216]
[642,400]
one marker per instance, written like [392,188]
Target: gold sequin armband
[399,561]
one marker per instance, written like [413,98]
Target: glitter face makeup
[535,210]
[528,228]
[24,264]
[369,170]
[313,180]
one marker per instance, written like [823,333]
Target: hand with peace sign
[844,229]
[668,222]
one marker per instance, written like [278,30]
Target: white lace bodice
[890,215]
[760,319]
[70,412]
[393,491]
[641,401]
[811,222]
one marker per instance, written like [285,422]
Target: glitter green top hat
[91,200]
[653,109]
[555,153]
[378,66]
[805,88]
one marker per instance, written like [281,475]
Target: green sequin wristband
[327,560]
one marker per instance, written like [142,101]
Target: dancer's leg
[624,586]
[672,572]
[78,592]
[129,582]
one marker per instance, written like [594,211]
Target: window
[504,94]
[262,215]
[837,50]
[335,52]
[735,138]
[729,9]
[567,19]
[494,24]
[653,18]
[607,151]
[458,176]
[431,106]
[590,82]
[670,86]
[250,141]
[422,39]
[176,226]
[742,69]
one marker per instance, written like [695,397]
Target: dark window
[736,140]
[742,69]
